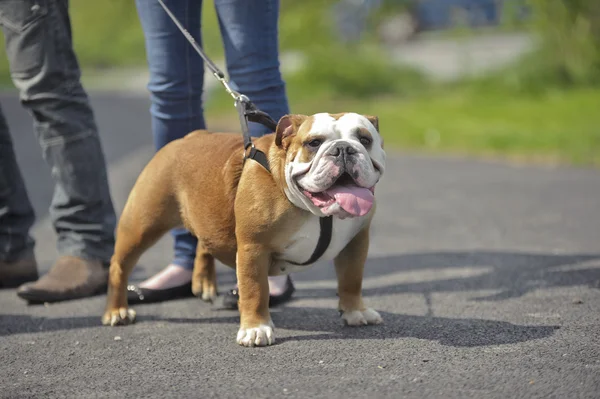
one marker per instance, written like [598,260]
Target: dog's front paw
[258,336]
[362,318]
[118,317]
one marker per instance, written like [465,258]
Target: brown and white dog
[257,222]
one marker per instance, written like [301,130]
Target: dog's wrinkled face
[333,162]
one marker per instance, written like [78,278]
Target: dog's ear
[287,126]
[374,120]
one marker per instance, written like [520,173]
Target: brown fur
[197,182]
[349,266]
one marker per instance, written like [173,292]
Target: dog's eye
[316,143]
[365,141]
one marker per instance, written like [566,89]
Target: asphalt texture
[487,276]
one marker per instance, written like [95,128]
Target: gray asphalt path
[447,58]
[487,276]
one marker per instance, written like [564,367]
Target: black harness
[248,112]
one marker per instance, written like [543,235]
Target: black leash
[248,112]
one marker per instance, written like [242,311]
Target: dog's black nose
[341,149]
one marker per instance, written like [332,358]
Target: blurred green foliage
[361,72]
[332,68]
[542,106]
[570,33]
[568,54]
[107,34]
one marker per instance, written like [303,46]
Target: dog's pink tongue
[355,200]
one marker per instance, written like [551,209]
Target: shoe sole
[36,299]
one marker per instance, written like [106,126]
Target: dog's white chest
[303,243]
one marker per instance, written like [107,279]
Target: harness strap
[326,224]
[261,117]
[247,111]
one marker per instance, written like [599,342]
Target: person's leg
[45,70]
[250,37]
[17,264]
[176,82]
[16,213]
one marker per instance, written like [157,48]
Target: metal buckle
[246,154]
[243,99]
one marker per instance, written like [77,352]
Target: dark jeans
[45,70]
[249,33]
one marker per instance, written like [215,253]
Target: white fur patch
[304,242]
[358,318]
[258,336]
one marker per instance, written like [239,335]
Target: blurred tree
[570,33]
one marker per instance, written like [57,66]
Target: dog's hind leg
[139,228]
[204,278]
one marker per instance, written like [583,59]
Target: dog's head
[332,162]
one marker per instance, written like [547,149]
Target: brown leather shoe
[13,274]
[70,278]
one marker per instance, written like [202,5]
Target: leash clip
[242,98]
[236,96]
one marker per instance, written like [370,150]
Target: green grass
[560,126]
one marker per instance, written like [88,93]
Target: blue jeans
[45,70]
[249,33]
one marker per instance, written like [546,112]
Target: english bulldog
[262,223]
